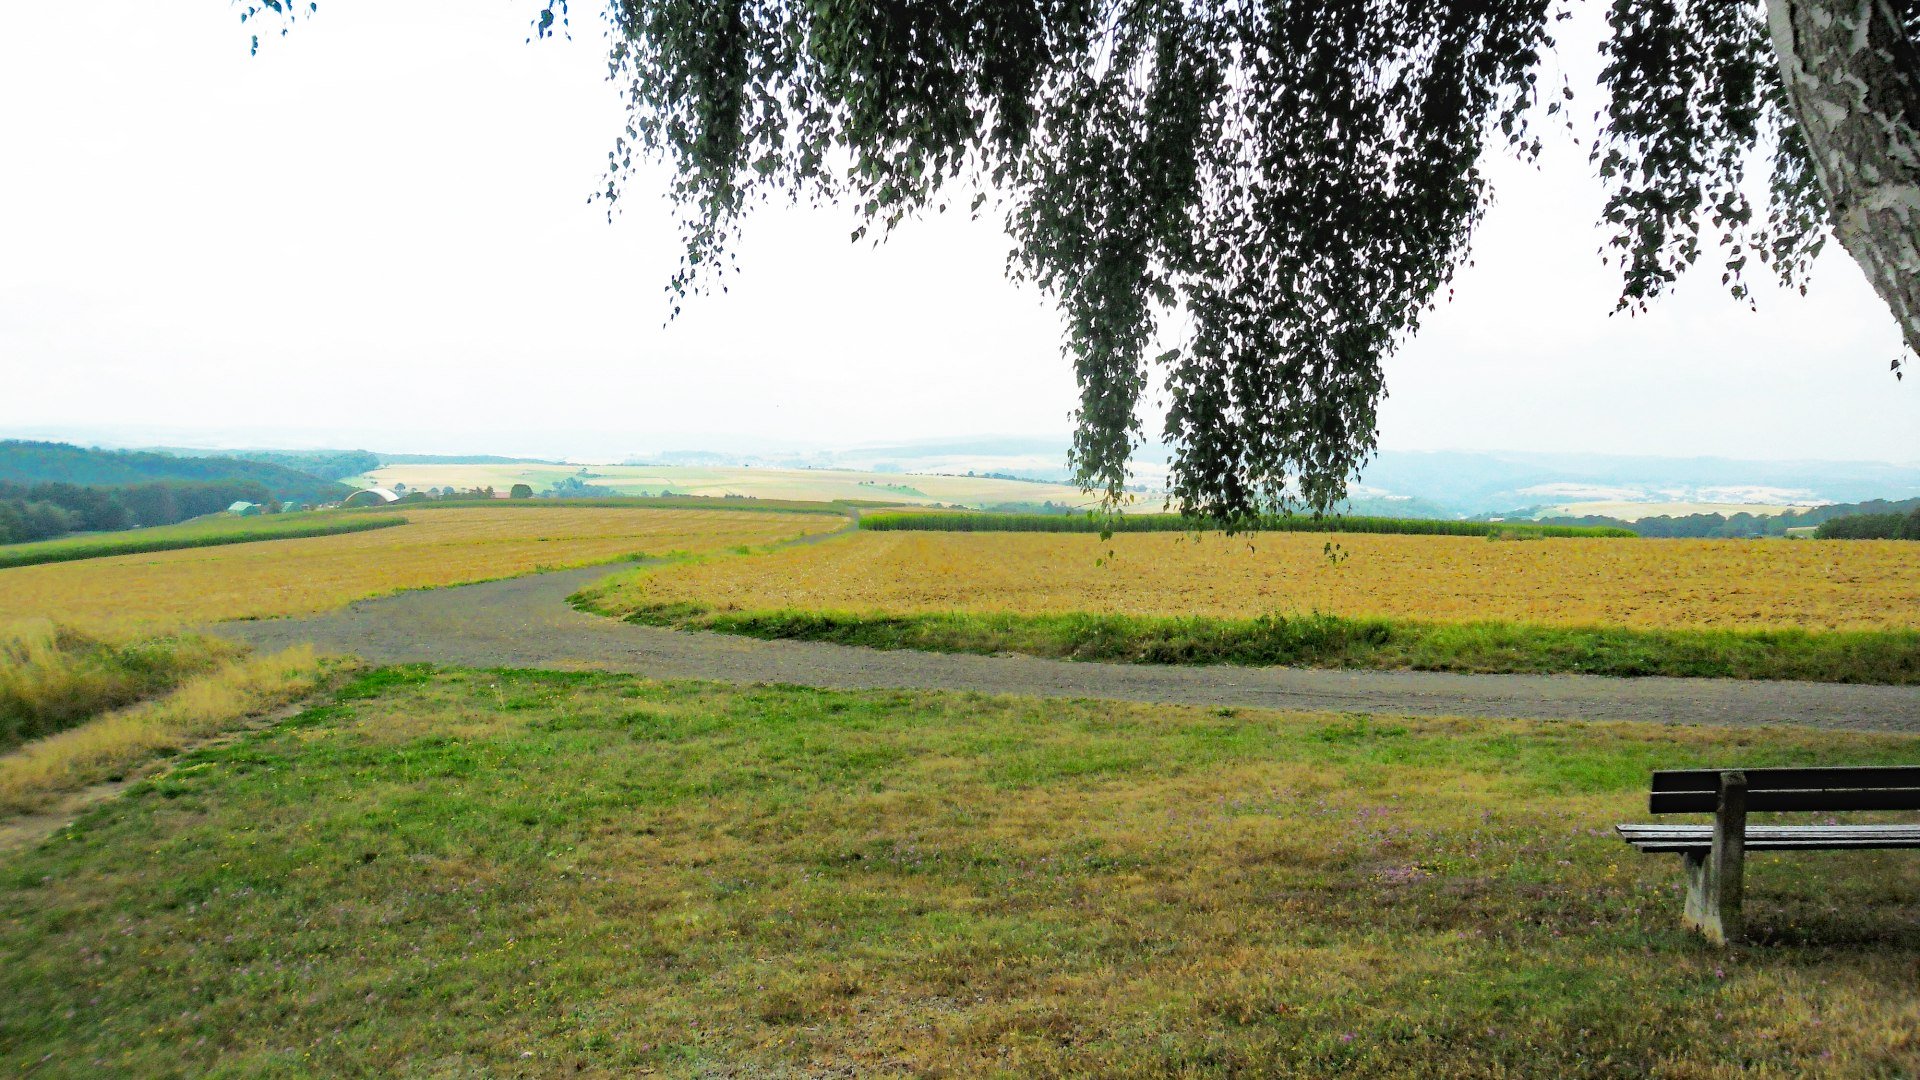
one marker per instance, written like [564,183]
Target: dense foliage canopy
[1887,526]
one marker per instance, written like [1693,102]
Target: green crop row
[208,532]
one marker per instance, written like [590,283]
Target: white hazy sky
[376,233]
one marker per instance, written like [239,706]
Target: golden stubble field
[435,547]
[1636,583]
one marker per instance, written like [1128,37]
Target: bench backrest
[1858,787]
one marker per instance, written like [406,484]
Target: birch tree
[1853,83]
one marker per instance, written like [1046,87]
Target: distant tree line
[43,511]
[1047,507]
[568,488]
[24,462]
[320,464]
[1893,526]
[1743,526]
[458,459]
[1004,476]
[572,487]
[925,521]
[448,493]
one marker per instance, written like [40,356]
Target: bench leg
[1703,900]
[1716,877]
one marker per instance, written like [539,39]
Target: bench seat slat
[1652,838]
[1776,831]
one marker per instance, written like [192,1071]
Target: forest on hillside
[1742,526]
[23,462]
[44,511]
[50,489]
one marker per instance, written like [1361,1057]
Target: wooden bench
[1716,854]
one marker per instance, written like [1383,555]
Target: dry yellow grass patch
[54,675]
[108,745]
[1648,584]
[435,547]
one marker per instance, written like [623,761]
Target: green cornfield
[204,532]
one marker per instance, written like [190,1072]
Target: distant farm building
[246,509]
[370,497]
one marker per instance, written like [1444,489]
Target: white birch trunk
[1853,83]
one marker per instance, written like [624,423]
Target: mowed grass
[446,547]
[1666,584]
[204,532]
[528,874]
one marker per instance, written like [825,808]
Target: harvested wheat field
[1647,584]
[435,547]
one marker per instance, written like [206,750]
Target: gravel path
[525,622]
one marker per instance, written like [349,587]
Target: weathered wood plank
[1803,801]
[1774,779]
[1727,861]
[1676,838]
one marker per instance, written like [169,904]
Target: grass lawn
[518,873]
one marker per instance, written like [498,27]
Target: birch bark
[1853,82]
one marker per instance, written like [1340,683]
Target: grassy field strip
[1889,657]
[930,521]
[190,534]
[446,547]
[524,873]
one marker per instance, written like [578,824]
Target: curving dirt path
[526,622]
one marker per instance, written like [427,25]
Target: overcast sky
[376,233]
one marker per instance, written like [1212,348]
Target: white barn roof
[369,496]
